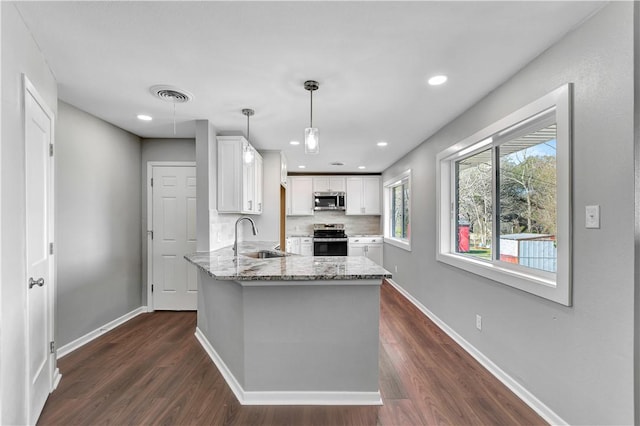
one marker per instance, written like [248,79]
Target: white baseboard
[56,379]
[285,398]
[83,340]
[527,397]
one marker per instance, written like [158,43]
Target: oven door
[330,246]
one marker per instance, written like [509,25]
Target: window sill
[534,284]
[403,244]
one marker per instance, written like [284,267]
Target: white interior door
[174,235]
[40,359]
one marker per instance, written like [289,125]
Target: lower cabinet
[370,247]
[300,245]
[293,245]
[306,246]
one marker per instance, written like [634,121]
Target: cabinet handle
[250,204]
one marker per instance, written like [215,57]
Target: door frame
[54,373]
[150,166]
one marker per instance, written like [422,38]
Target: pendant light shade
[311,145]
[311,134]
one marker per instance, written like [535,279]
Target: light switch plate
[592,217]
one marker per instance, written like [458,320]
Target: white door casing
[39,281]
[172,226]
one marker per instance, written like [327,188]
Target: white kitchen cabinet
[370,247]
[306,246]
[293,245]
[329,184]
[239,176]
[363,195]
[300,245]
[283,169]
[258,185]
[299,196]
[374,252]
[356,249]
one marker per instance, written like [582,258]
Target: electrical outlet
[478,322]
[396,268]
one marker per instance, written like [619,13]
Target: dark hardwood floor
[152,370]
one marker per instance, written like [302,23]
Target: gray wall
[98,222]
[20,55]
[158,150]
[636,68]
[205,159]
[578,360]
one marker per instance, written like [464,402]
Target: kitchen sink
[263,254]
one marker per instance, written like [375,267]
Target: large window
[397,229]
[505,200]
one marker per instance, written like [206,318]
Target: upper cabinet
[239,176]
[299,196]
[258,180]
[329,184]
[363,195]
[283,169]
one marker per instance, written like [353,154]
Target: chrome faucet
[235,241]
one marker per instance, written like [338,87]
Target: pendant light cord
[311,118]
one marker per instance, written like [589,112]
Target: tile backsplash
[354,225]
[221,229]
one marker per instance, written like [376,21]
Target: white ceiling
[372,60]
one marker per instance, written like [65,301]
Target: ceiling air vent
[171,94]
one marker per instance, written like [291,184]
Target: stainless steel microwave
[329,201]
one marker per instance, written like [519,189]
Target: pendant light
[247,153]
[311,135]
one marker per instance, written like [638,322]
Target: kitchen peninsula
[291,329]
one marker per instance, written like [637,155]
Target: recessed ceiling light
[361,167]
[294,142]
[382,143]
[144,117]
[437,80]
[302,167]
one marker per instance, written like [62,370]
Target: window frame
[552,286]
[388,186]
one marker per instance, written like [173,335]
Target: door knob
[39,282]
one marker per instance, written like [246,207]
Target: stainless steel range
[329,239]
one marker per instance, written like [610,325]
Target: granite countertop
[223,265]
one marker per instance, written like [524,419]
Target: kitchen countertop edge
[222,265]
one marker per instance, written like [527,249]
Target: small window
[397,229]
[504,200]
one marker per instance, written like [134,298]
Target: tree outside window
[397,210]
[400,211]
[525,205]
